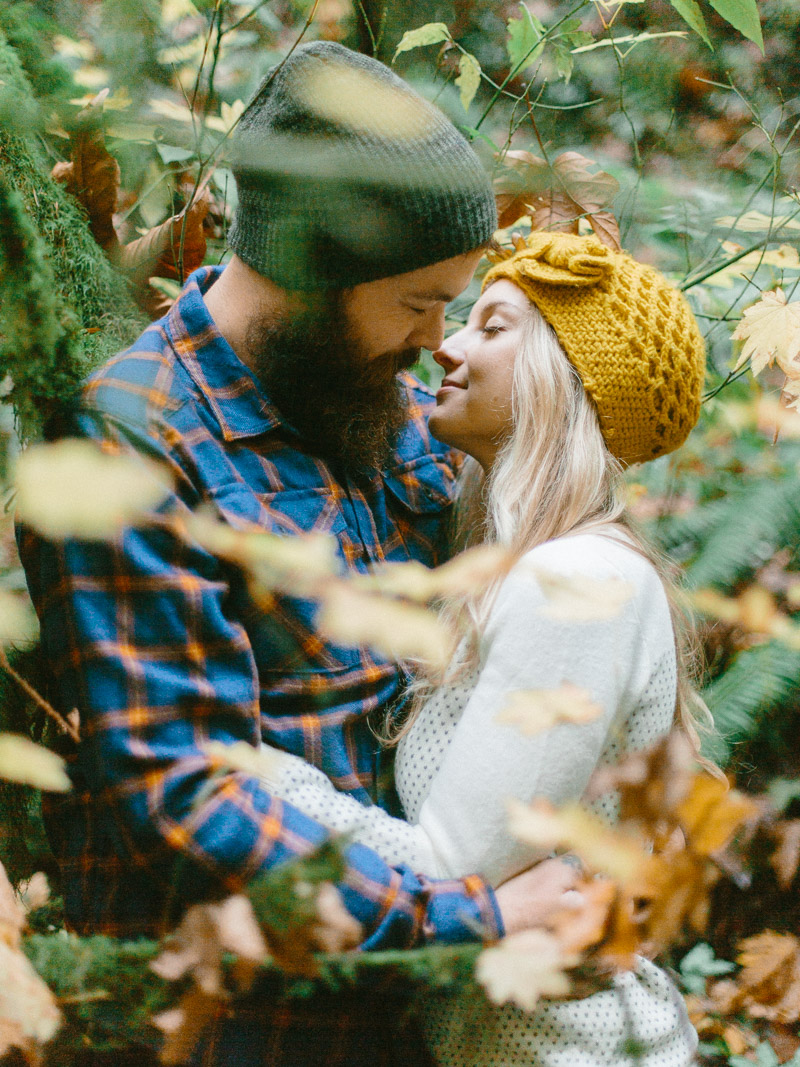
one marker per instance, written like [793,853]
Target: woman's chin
[438,425]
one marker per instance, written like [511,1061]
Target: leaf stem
[519,66]
[37,698]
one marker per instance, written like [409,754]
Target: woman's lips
[448,385]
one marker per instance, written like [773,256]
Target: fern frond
[723,541]
[759,680]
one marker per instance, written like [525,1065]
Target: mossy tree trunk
[63,310]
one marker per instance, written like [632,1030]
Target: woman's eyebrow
[493,305]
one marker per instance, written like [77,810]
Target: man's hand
[530,898]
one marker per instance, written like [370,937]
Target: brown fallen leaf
[672,894]
[92,174]
[770,976]
[172,250]
[184,1025]
[649,784]
[521,180]
[205,934]
[29,1016]
[12,915]
[786,858]
[557,196]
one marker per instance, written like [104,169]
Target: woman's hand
[530,898]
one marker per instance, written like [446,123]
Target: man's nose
[429,331]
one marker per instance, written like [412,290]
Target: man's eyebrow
[434,295]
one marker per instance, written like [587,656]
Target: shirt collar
[232,392]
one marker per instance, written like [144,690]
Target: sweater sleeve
[464,814]
[309,790]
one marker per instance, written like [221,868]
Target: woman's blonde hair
[554,476]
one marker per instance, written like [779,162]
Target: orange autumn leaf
[623,938]
[577,929]
[672,894]
[712,812]
[649,783]
[170,250]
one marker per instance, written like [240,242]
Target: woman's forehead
[503,292]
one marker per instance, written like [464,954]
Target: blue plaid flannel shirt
[160,646]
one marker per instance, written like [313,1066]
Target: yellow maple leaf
[790,395]
[581,598]
[577,830]
[770,330]
[524,967]
[392,628]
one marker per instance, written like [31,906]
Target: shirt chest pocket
[419,501]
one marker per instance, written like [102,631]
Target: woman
[575,362]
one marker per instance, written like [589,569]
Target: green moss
[55,283]
[29,32]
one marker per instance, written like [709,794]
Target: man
[270,392]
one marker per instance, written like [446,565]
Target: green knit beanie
[345,174]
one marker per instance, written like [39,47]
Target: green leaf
[562,57]
[469,78]
[524,35]
[690,12]
[171,153]
[782,791]
[743,16]
[577,38]
[699,964]
[430,33]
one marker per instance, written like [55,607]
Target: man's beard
[347,408]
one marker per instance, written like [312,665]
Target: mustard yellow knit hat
[628,332]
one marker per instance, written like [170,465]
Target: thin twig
[37,698]
[521,65]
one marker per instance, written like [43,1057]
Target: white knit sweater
[457,766]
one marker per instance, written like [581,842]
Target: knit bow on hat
[560,259]
[628,332]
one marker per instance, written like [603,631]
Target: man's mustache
[382,370]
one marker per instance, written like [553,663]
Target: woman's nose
[449,354]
